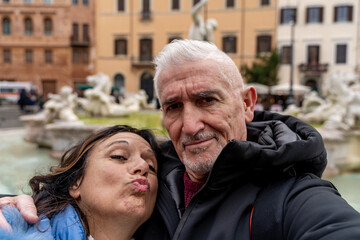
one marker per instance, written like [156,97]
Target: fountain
[58,127]
[339,114]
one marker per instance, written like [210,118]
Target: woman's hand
[25,205]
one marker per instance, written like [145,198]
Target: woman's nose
[140,167]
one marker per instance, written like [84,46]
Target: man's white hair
[179,52]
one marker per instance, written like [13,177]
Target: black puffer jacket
[274,175]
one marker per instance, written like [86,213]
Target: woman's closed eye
[152,168]
[118,157]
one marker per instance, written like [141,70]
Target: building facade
[131,32]
[322,38]
[48,42]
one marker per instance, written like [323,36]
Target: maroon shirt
[190,188]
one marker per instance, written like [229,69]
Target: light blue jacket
[64,225]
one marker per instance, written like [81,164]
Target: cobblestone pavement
[9,116]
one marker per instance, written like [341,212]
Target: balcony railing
[313,67]
[75,41]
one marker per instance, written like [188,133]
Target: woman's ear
[74,190]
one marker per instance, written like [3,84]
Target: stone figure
[61,106]
[200,30]
[341,107]
[99,102]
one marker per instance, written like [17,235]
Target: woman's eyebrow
[151,151]
[117,142]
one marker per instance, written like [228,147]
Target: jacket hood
[276,144]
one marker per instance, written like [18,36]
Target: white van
[10,91]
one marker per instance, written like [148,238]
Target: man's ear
[74,190]
[249,98]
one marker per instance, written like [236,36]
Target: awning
[260,88]
[283,89]
[83,86]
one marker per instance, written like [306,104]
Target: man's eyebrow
[117,142]
[169,101]
[207,93]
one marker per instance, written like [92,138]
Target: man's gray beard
[201,164]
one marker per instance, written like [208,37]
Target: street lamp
[290,99]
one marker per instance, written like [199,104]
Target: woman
[104,188]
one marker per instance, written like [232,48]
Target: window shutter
[321,14]
[282,16]
[335,13]
[350,13]
[307,15]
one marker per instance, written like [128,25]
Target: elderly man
[230,173]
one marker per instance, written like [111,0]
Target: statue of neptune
[200,30]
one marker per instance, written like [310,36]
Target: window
[47,1]
[80,55]
[146,9]
[146,49]
[27,1]
[6,26]
[287,15]
[28,26]
[173,38]
[85,56]
[314,15]
[313,54]
[229,44]
[286,55]
[120,46]
[75,2]
[75,32]
[28,56]
[6,1]
[86,37]
[230,3]
[341,53]
[343,14]
[265,2]
[121,5]
[48,56]
[76,56]
[7,56]
[263,44]
[195,2]
[48,26]
[85,2]
[175,5]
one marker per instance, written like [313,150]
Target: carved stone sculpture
[200,30]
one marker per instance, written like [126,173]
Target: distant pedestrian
[22,99]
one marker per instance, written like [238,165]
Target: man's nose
[192,121]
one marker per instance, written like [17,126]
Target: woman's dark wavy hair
[51,191]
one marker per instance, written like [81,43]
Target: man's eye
[172,107]
[118,157]
[206,100]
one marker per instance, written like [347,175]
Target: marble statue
[341,107]
[99,102]
[61,106]
[200,30]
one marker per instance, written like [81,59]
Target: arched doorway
[147,83]
[313,84]
[119,83]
